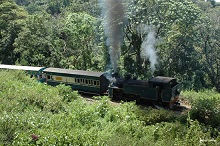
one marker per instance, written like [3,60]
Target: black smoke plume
[113,11]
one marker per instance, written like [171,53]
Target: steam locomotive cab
[168,88]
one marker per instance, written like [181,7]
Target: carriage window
[48,76]
[98,83]
[82,81]
[86,81]
[78,80]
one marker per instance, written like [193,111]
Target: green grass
[33,113]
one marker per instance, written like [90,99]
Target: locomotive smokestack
[115,75]
[113,22]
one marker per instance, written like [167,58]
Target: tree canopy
[180,38]
[11,21]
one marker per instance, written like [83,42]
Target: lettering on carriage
[58,78]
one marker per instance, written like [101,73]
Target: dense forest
[178,38]
[175,38]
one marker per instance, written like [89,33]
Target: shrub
[7,129]
[67,93]
[205,107]
[206,110]
[153,116]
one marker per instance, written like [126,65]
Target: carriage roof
[74,72]
[161,80]
[28,68]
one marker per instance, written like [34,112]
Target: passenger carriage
[83,81]
[32,71]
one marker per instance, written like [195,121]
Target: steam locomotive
[158,89]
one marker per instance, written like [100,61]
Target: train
[160,89]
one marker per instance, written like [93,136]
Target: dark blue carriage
[83,81]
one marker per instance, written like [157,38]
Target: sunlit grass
[32,113]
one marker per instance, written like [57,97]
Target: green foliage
[80,29]
[181,18]
[11,22]
[173,23]
[22,2]
[205,107]
[153,116]
[196,136]
[26,94]
[66,34]
[32,113]
[61,33]
[69,34]
[7,129]
[207,111]
[31,44]
[198,81]
[208,45]
[67,93]
[36,45]
[54,7]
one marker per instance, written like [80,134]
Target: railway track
[182,107]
